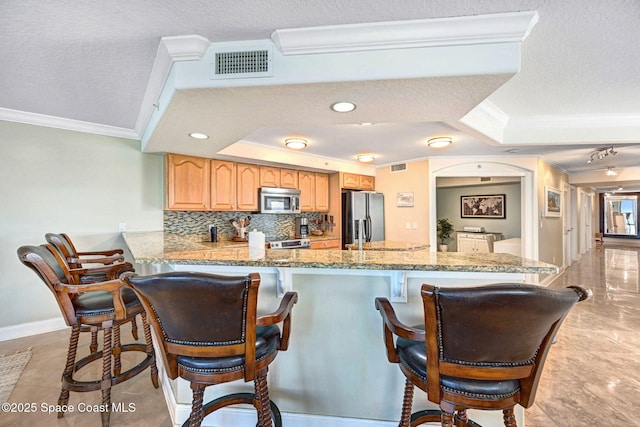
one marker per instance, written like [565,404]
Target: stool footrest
[237,399]
[432,415]
[69,383]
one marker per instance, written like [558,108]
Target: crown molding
[68,124]
[576,121]
[170,50]
[488,119]
[454,31]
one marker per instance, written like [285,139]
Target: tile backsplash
[274,226]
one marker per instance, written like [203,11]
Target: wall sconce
[601,153]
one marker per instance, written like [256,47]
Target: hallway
[591,377]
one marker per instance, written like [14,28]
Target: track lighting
[601,153]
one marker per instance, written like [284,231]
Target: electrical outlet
[408,225]
[122,227]
[415,225]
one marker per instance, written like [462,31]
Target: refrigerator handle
[368,228]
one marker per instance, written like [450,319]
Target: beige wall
[414,179]
[550,233]
[54,180]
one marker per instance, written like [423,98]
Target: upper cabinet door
[307,185]
[289,178]
[269,177]
[223,185]
[351,180]
[322,192]
[367,182]
[187,183]
[247,187]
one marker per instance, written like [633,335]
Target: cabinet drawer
[325,244]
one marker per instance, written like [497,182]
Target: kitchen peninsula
[335,373]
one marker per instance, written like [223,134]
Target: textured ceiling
[91,61]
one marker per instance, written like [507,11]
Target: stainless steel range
[290,244]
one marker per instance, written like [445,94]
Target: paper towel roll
[256,244]
[256,239]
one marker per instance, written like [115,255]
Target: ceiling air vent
[241,64]
[485,178]
[400,167]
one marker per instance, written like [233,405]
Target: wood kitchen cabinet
[248,181]
[289,178]
[187,186]
[325,244]
[223,185]
[200,184]
[354,181]
[367,182]
[234,186]
[314,191]
[269,176]
[322,192]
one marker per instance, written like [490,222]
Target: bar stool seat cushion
[413,356]
[267,342]
[98,303]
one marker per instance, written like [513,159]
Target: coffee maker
[302,228]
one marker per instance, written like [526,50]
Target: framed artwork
[552,202]
[483,206]
[404,200]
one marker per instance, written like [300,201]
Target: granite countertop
[389,245]
[165,248]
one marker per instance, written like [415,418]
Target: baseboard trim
[31,328]
[247,418]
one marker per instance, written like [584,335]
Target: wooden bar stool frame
[236,345]
[464,327]
[48,264]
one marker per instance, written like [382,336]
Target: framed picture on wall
[552,202]
[404,200]
[483,206]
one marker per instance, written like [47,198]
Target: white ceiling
[577,89]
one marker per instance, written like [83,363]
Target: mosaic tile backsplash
[274,226]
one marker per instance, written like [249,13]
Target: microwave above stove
[279,200]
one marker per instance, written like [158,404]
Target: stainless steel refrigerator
[365,205]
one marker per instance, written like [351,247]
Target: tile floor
[591,377]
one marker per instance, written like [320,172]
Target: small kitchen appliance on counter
[302,228]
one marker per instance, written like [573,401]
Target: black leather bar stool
[209,333]
[100,306]
[85,270]
[482,347]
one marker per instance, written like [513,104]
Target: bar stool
[209,333]
[482,347]
[112,265]
[100,306]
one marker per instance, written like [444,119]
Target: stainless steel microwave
[279,200]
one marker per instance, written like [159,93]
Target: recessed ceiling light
[295,143]
[366,124]
[343,107]
[198,135]
[365,158]
[439,142]
[611,172]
